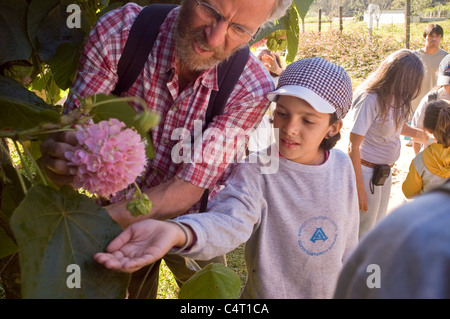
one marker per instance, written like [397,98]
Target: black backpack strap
[143,34]
[228,73]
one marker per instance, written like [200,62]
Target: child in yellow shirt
[431,167]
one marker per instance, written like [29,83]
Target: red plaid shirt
[158,86]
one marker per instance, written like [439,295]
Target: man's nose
[216,33]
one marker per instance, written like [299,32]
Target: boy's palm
[140,244]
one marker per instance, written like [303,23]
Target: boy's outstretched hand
[141,244]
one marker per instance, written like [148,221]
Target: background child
[431,167]
[380,109]
[299,224]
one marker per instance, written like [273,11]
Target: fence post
[340,19]
[407,23]
[320,20]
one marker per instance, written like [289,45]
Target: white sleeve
[417,120]
[364,112]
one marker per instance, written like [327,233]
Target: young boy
[299,224]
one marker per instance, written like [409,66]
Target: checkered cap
[444,71]
[324,85]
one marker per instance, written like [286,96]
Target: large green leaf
[303,7]
[52,31]
[215,281]
[19,115]
[13,89]
[64,64]
[56,229]
[14,42]
[37,11]
[292,35]
[11,196]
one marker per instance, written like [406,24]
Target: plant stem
[38,169]
[24,164]
[19,175]
[137,188]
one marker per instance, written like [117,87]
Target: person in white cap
[299,223]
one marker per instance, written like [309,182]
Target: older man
[176,82]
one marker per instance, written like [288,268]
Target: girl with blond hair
[380,109]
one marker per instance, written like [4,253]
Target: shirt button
[174,108]
[165,141]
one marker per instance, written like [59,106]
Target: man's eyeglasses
[235,31]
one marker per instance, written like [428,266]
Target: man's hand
[54,161]
[141,244]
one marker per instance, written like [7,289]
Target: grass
[168,288]
[396,31]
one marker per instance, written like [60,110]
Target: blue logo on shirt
[317,235]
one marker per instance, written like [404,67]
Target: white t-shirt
[381,143]
[419,115]
[431,63]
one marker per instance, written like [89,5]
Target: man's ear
[335,128]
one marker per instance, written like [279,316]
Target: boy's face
[432,41]
[302,130]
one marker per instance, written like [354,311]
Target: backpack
[143,34]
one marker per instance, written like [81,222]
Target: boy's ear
[335,128]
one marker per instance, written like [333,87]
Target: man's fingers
[55,149]
[67,137]
[56,166]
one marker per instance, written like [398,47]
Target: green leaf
[13,89]
[292,35]
[64,64]
[13,35]
[37,11]
[303,7]
[56,229]
[11,196]
[52,31]
[8,247]
[215,281]
[20,115]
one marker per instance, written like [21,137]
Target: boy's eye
[306,121]
[280,113]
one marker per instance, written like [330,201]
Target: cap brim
[443,80]
[317,102]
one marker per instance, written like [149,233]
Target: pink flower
[109,157]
